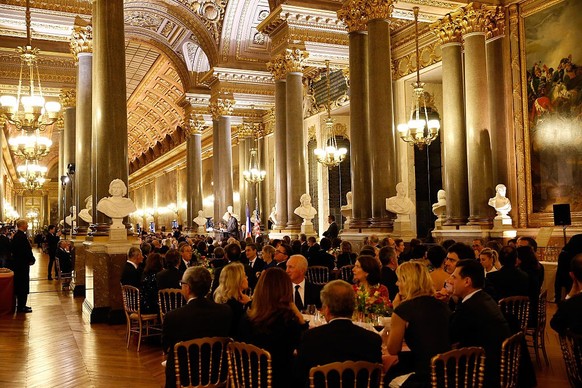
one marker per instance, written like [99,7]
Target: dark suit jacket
[168,278]
[480,322]
[200,318]
[322,258]
[339,340]
[217,271]
[282,265]
[254,270]
[52,242]
[332,231]
[507,281]
[568,316]
[388,278]
[232,227]
[22,259]
[311,294]
[130,276]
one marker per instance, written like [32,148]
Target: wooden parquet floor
[55,346]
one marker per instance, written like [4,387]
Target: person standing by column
[22,259]
[52,241]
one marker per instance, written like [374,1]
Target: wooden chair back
[144,325]
[538,333]
[510,356]
[347,374]
[170,299]
[202,362]
[249,366]
[347,274]
[131,300]
[516,307]
[464,367]
[571,345]
[318,274]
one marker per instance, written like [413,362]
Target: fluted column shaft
[280,153]
[454,136]
[83,136]
[261,189]
[381,139]
[478,127]
[296,185]
[109,142]
[193,176]
[61,171]
[69,117]
[2,188]
[222,159]
[45,211]
[243,185]
[497,109]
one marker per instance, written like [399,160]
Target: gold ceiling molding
[83,7]
[210,12]
[81,37]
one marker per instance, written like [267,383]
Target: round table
[7,302]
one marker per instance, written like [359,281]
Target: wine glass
[378,323]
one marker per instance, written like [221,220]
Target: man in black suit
[200,317]
[282,254]
[52,242]
[332,231]
[477,321]
[22,259]
[322,257]
[232,252]
[304,292]
[320,345]
[508,280]
[232,226]
[569,314]
[170,276]
[4,248]
[131,275]
[256,264]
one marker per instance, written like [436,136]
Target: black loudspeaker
[562,214]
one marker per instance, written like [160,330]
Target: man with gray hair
[200,317]
[320,345]
[131,275]
[304,292]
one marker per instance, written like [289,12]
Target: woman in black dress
[232,284]
[149,285]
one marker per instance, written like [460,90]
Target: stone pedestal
[347,213]
[117,234]
[308,229]
[403,228]
[78,281]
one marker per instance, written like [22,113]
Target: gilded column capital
[448,29]
[277,67]
[221,107]
[68,98]
[196,125]
[81,37]
[475,17]
[379,9]
[294,60]
[354,14]
[497,23]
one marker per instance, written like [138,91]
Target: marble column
[453,129]
[109,102]
[61,172]
[264,209]
[45,210]
[243,185]
[2,188]
[68,101]
[381,138]
[280,152]
[478,125]
[194,171]
[222,157]
[296,178]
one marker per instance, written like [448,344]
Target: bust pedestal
[117,231]
[403,228]
[347,213]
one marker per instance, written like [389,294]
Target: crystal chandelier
[28,112]
[422,128]
[32,175]
[329,155]
[254,174]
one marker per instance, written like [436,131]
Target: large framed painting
[552,101]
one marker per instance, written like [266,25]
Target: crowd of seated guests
[459,284]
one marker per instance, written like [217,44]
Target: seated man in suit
[304,292]
[170,276]
[569,314]
[340,339]
[321,257]
[477,321]
[131,275]
[508,280]
[256,264]
[200,317]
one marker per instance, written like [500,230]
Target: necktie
[298,301]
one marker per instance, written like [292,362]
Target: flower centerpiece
[370,301]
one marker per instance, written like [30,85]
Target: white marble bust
[500,202]
[116,206]
[200,220]
[85,214]
[400,203]
[440,207]
[273,215]
[305,210]
[71,219]
[230,210]
[346,210]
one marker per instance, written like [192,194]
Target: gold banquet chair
[137,322]
[347,374]
[318,274]
[170,299]
[538,333]
[203,361]
[516,307]
[571,345]
[510,357]
[347,273]
[464,367]
[249,366]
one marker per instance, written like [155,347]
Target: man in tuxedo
[304,292]
[185,250]
[170,276]
[282,254]
[320,345]
[477,321]
[200,317]
[131,275]
[232,226]
[22,259]
[321,257]
[256,264]
[52,242]
[569,314]
[508,280]
[332,231]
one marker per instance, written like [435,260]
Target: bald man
[304,292]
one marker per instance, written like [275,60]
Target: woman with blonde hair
[425,337]
[232,284]
[489,259]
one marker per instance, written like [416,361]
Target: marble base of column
[100,229]
[452,221]
[358,223]
[480,221]
[381,222]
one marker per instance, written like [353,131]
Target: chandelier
[28,111]
[31,175]
[254,174]
[422,128]
[329,155]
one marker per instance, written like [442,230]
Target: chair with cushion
[516,309]
[538,333]
[347,374]
[318,274]
[144,325]
[571,345]
[249,366]
[464,367]
[347,274]
[170,299]
[202,362]
[510,357]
